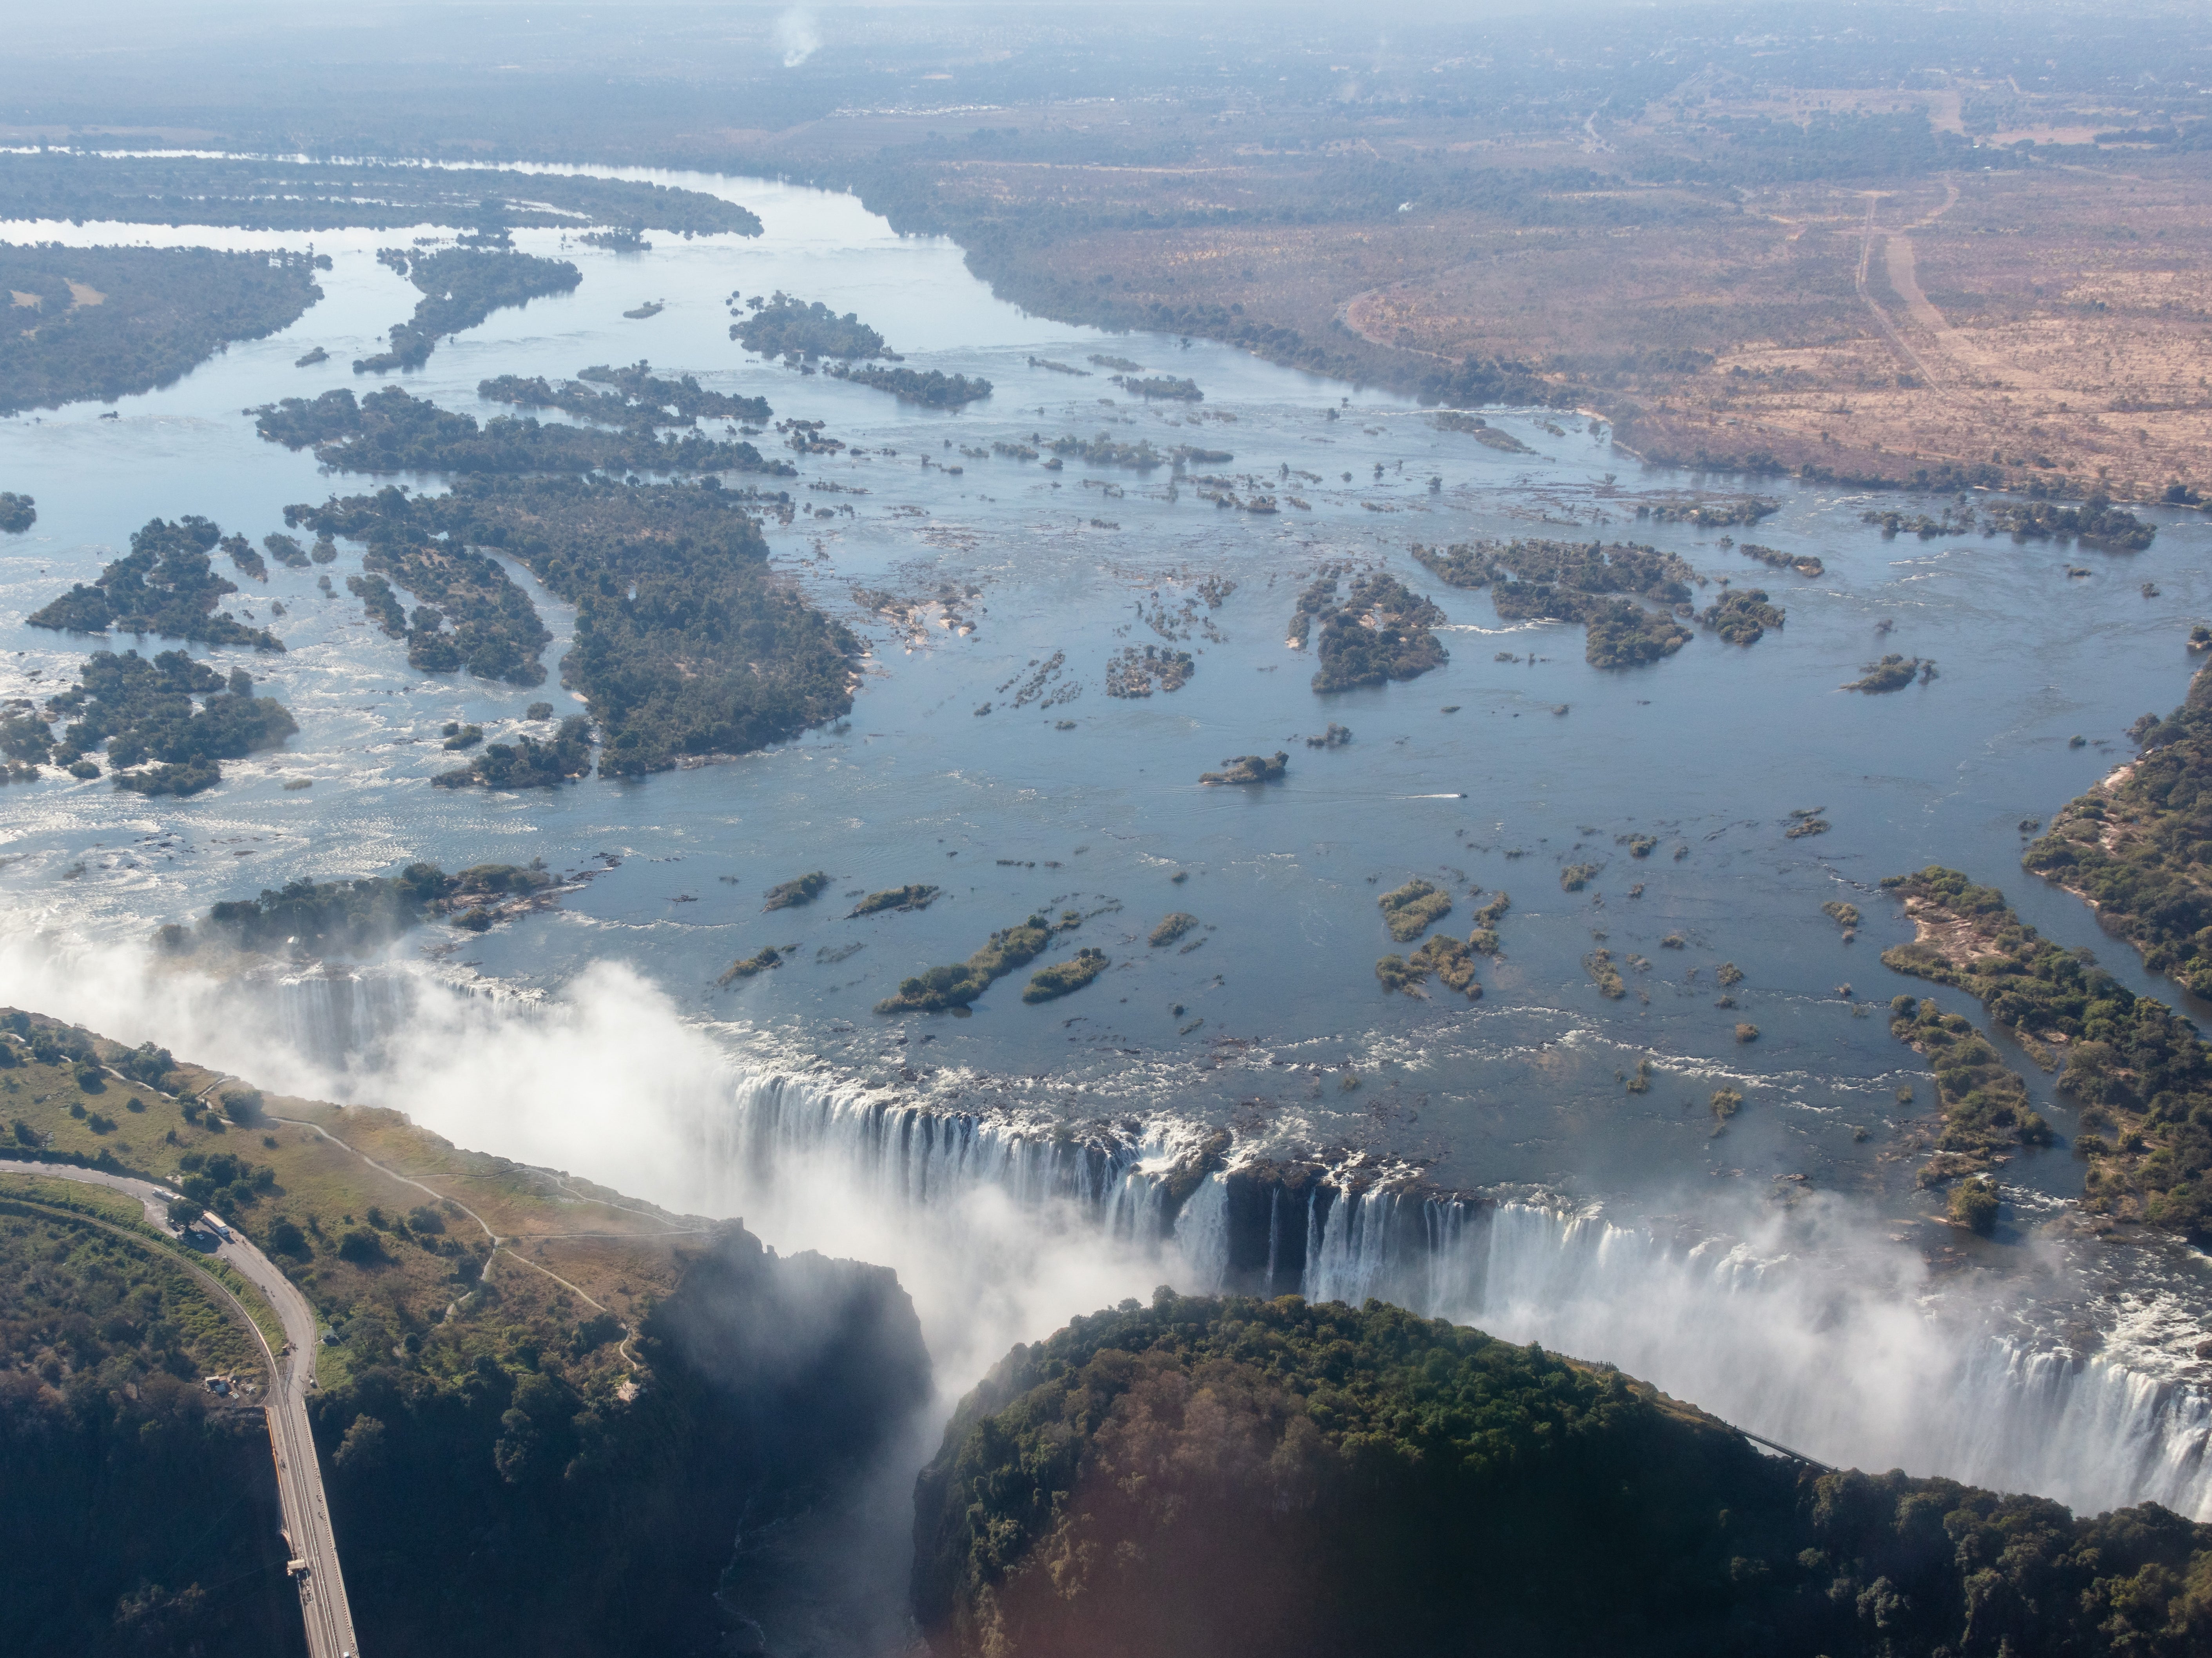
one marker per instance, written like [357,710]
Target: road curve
[323,1604]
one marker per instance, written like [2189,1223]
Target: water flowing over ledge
[1827,1342]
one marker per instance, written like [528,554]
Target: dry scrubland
[2049,319]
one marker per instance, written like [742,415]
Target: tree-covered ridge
[111,322]
[142,712]
[167,586]
[685,644]
[2143,1076]
[2139,845]
[783,326]
[1226,1478]
[277,194]
[389,431]
[934,389]
[462,285]
[639,397]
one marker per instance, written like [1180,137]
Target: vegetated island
[686,644]
[2138,846]
[166,585]
[1410,910]
[665,1373]
[142,714]
[1480,430]
[2142,1074]
[527,763]
[1892,673]
[1451,963]
[789,894]
[277,194]
[389,431]
[914,896]
[783,325]
[1380,630]
[495,629]
[1157,387]
[1484,939]
[1232,1478]
[311,921]
[638,398]
[113,322]
[932,388]
[461,287]
[1249,769]
[17,513]
[1065,978]
[938,988]
[1594,583]
[1803,563]
[1741,615]
[1172,926]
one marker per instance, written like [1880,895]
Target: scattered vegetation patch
[1593,583]
[306,920]
[17,513]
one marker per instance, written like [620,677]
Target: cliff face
[507,1513]
[1220,1478]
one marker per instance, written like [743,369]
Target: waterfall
[1845,1372]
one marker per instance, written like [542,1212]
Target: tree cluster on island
[461,287]
[113,322]
[638,397]
[685,644]
[311,921]
[783,326]
[166,585]
[262,193]
[390,431]
[142,714]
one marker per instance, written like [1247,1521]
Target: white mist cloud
[796,35]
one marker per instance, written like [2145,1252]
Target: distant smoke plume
[796,35]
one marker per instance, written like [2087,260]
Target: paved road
[323,1603]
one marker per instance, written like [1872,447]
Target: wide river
[985,756]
